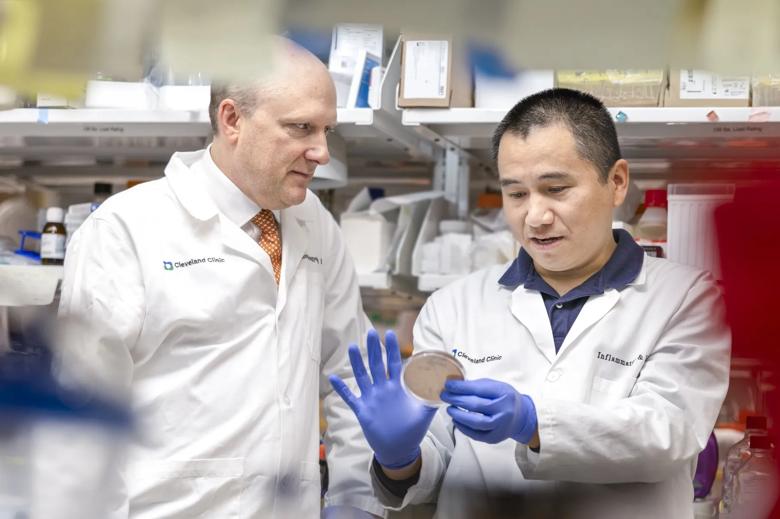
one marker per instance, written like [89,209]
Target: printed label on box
[425,70]
[699,84]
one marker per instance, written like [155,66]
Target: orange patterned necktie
[270,240]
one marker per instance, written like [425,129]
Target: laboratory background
[96,95]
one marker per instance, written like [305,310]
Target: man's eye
[558,189]
[302,126]
[516,195]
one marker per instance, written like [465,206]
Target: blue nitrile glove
[490,411]
[393,422]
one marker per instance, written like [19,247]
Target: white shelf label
[425,69]
[699,84]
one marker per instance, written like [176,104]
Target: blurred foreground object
[58,441]
[747,237]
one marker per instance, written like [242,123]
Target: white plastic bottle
[736,456]
[652,224]
[756,481]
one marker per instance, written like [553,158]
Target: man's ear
[618,181]
[228,120]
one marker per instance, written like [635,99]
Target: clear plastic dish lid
[426,372]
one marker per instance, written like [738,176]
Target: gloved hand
[490,411]
[393,422]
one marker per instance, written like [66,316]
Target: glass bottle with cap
[101,192]
[53,237]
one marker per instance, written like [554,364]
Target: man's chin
[295,196]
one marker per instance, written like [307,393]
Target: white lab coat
[224,370]
[624,408]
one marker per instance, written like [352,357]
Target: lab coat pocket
[315,314]
[605,391]
[186,488]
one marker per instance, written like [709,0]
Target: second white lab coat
[224,369]
[623,409]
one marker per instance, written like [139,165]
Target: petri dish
[426,372]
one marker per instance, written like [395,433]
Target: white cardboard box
[121,94]
[689,87]
[381,234]
[347,42]
[185,97]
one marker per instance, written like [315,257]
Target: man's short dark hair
[586,117]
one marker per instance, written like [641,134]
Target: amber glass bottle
[53,237]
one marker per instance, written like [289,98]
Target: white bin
[691,238]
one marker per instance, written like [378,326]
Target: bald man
[220,298]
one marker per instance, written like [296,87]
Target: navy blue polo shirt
[622,268]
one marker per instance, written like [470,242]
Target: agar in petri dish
[426,372]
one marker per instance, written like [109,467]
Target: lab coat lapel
[528,308]
[237,239]
[295,237]
[594,310]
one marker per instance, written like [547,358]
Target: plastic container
[652,224]
[737,455]
[426,372]
[756,481]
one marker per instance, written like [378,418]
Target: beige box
[689,87]
[765,90]
[617,87]
[434,74]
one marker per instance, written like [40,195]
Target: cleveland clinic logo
[481,360]
[171,265]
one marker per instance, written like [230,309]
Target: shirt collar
[231,201]
[622,268]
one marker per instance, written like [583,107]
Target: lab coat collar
[621,269]
[229,199]
[626,267]
[195,198]
[188,189]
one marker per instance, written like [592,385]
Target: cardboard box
[766,90]
[617,87]
[688,87]
[462,78]
[434,73]
[426,71]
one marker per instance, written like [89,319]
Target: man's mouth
[546,241]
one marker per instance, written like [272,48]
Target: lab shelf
[644,132]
